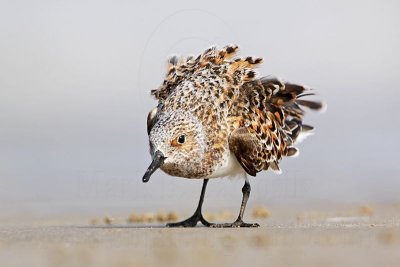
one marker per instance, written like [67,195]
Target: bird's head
[177,145]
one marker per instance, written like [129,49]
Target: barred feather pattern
[257,119]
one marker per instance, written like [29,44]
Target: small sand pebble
[133,218]
[226,216]
[209,216]
[259,240]
[108,220]
[300,217]
[172,216]
[161,216]
[261,212]
[389,237]
[366,211]
[149,217]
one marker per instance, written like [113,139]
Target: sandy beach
[76,83]
[313,238]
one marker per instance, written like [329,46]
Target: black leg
[197,216]
[239,221]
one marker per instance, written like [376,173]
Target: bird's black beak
[158,160]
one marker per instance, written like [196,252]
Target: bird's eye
[181,139]
[178,141]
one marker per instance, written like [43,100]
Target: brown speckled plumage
[257,119]
[216,118]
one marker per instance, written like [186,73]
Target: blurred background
[75,78]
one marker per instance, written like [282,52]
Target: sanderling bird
[216,118]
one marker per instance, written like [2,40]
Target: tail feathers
[302,136]
[289,98]
[289,94]
[295,89]
[297,135]
[292,152]
[314,105]
[275,167]
[307,128]
[298,131]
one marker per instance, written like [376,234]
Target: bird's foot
[236,224]
[191,222]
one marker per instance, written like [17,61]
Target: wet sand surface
[308,239]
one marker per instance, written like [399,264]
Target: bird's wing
[151,119]
[269,120]
[246,146]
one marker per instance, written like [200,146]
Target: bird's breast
[229,166]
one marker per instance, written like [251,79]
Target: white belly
[230,167]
